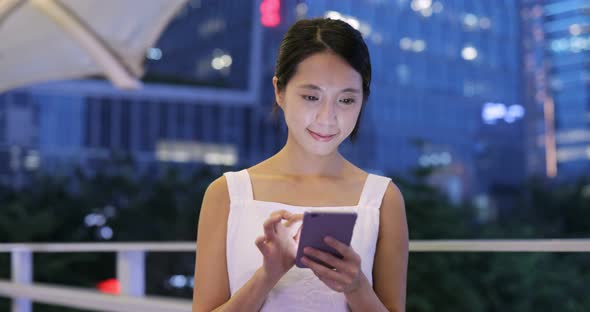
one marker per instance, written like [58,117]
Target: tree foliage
[165,207]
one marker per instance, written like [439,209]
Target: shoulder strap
[239,185]
[373,191]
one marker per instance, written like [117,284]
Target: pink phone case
[317,225]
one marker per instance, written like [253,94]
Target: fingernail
[328,239]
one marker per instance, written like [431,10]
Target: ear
[278,94]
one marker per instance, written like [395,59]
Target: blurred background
[480,112]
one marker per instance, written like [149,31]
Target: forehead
[327,69]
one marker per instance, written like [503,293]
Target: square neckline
[270,203]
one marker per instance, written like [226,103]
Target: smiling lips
[321,137]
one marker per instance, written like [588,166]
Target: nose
[326,114]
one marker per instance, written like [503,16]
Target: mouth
[321,137]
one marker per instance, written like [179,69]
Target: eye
[348,101]
[309,97]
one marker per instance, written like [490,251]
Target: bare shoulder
[215,205]
[393,198]
[218,191]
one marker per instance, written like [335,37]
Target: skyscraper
[567,30]
[556,57]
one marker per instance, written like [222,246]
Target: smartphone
[317,225]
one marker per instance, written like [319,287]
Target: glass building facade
[566,26]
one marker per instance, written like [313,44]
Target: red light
[109,286]
[270,13]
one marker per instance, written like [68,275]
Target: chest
[308,193]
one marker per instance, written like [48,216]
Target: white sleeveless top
[299,289]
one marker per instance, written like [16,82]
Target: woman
[247,234]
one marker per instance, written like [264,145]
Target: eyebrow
[314,87]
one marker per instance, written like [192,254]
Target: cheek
[296,117]
[300,114]
[349,118]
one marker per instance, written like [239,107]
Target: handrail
[177,246]
[91,300]
[131,270]
[475,245]
[501,245]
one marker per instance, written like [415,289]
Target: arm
[391,256]
[211,292]
[389,270]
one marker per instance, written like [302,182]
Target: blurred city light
[109,286]
[94,219]
[575,29]
[418,45]
[565,154]
[435,159]
[405,43]
[573,136]
[365,29]
[181,281]
[485,23]
[426,12]
[105,232]
[437,7]
[573,44]
[418,5]
[154,54]
[301,9]
[492,112]
[32,160]
[194,152]
[178,281]
[408,44]
[470,20]
[221,62]
[270,13]
[469,53]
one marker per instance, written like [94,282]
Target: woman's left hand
[346,275]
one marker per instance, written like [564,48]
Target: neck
[293,159]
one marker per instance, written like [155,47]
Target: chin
[325,150]
[313,147]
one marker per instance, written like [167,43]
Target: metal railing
[131,271]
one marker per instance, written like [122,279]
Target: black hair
[310,36]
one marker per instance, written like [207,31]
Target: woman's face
[321,102]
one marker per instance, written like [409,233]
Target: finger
[261,244]
[281,215]
[324,272]
[327,258]
[269,226]
[284,214]
[346,251]
[294,218]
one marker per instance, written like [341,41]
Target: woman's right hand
[278,245]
